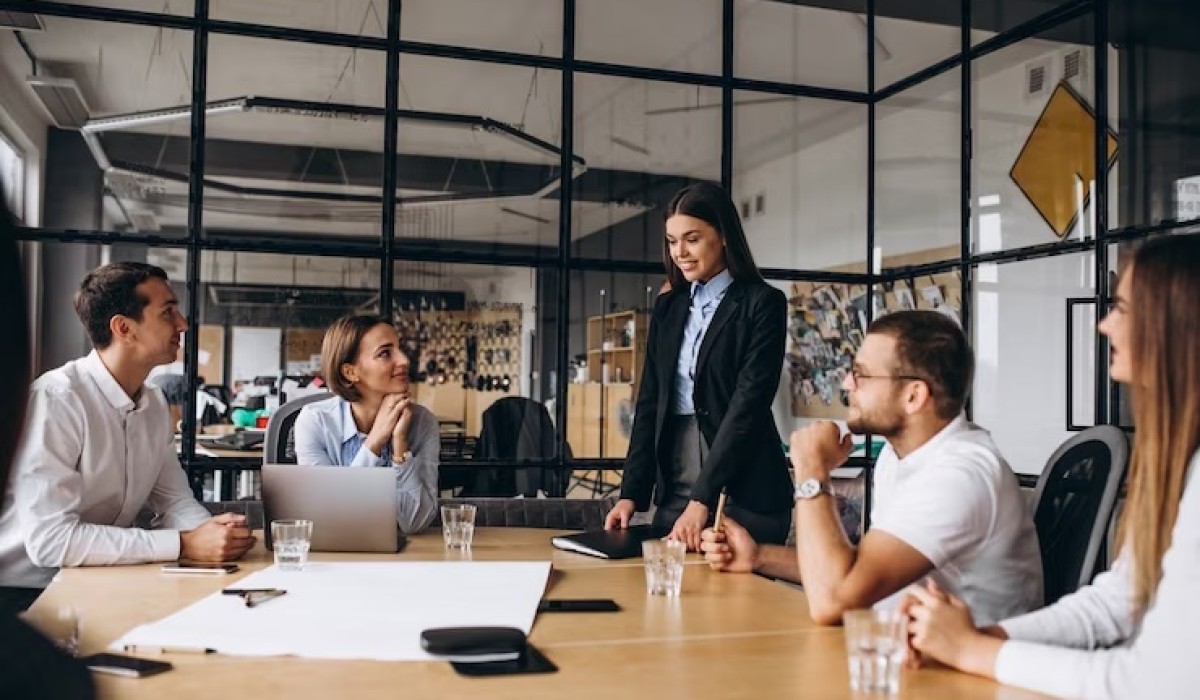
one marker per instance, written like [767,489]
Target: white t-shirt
[956,501]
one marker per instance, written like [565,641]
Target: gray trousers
[688,451]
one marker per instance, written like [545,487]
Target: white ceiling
[620,123]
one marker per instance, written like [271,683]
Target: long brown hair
[713,206]
[1165,332]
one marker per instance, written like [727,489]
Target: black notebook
[609,544]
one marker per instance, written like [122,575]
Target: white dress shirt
[91,459]
[955,500]
[326,434]
[1090,644]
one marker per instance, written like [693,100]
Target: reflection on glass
[119,97]
[521,26]
[800,180]
[1020,385]
[792,43]
[355,17]
[301,157]
[642,141]
[1033,126]
[478,165]
[682,35]
[910,37]
[918,153]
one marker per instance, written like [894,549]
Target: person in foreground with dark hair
[99,447]
[1130,634]
[30,665]
[372,421]
[703,421]
[946,503]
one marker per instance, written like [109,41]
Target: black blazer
[737,375]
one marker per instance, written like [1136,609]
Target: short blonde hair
[340,347]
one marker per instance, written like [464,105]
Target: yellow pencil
[719,519]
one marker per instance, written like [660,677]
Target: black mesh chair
[1073,505]
[279,447]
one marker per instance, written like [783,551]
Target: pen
[254,599]
[244,591]
[133,648]
[719,520]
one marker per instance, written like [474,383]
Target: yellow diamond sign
[1058,154]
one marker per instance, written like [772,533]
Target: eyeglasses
[859,376]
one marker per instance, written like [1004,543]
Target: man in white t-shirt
[946,503]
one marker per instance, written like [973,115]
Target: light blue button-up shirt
[325,434]
[706,297]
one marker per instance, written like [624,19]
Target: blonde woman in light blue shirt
[372,420]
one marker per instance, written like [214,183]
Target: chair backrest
[549,513]
[514,428]
[279,430]
[1073,504]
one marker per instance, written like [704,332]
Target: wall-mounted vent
[62,99]
[1037,79]
[22,21]
[1076,68]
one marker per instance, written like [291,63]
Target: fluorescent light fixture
[523,215]
[21,21]
[62,99]
[159,116]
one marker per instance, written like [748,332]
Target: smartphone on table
[579,605]
[127,666]
[194,567]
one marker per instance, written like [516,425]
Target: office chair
[1073,506]
[279,447]
[548,513]
[514,429]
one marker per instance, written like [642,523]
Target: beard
[882,422]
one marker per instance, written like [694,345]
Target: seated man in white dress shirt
[946,503]
[99,447]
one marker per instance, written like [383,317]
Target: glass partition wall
[491,175]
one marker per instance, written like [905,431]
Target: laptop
[610,544]
[241,440]
[353,509]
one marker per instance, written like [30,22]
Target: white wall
[815,219]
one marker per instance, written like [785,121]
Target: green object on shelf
[245,418]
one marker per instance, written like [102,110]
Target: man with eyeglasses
[946,505]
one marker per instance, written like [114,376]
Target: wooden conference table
[726,636]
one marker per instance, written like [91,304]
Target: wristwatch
[407,455]
[810,489]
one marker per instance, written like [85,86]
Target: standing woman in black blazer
[703,419]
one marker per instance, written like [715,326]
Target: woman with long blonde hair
[1131,633]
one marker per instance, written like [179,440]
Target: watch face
[808,488]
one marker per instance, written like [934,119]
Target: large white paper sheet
[354,610]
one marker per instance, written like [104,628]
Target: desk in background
[727,636]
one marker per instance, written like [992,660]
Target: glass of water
[458,525]
[876,644]
[664,566]
[290,540]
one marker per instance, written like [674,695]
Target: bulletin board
[827,323]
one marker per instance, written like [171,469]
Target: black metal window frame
[385,249]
